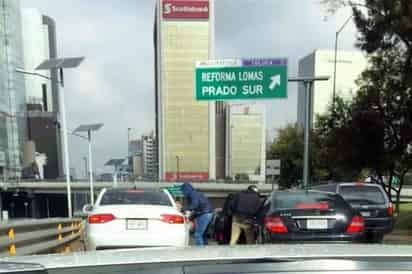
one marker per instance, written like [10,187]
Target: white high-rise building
[149,157]
[185,128]
[246,141]
[349,66]
[37,48]
[35,42]
[42,95]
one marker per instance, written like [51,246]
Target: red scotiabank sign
[187,176]
[182,9]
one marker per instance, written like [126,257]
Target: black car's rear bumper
[308,237]
[379,225]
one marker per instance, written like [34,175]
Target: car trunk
[136,218]
[313,220]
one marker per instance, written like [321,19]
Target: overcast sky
[115,84]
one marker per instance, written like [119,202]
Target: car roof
[335,184]
[359,184]
[130,190]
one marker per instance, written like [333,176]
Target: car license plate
[365,213]
[316,224]
[136,224]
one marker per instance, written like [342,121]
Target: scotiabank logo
[167,8]
[186,9]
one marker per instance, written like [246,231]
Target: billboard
[185,9]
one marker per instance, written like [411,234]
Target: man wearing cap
[245,207]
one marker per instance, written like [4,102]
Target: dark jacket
[246,204]
[228,205]
[197,201]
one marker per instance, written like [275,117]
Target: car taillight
[172,218]
[390,209]
[357,224]
[100,218]
[275,224]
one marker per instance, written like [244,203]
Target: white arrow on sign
[275,81]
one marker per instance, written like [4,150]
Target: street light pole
[335,61]
[62,106]
[89,129]
[85,167]
[60,64]
[64,132]
[89,136]
[128,142]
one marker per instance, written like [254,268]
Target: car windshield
[306,200]
[135,197]
[130,124]
[362,194]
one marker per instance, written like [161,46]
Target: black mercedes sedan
[307,215]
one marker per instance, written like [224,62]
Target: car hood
[216,254]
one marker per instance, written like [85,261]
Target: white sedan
[135,218]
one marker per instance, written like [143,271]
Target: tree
[336,140]
[288,147]
[386,87]
[382,108]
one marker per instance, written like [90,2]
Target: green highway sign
[175,190]
[241,79]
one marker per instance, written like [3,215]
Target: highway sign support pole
[308,120]
[308,83]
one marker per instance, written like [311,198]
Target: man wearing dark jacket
[201,209]
[245,207]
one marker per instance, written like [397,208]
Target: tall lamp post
[89,129]
[85,167]
[128,142]
[60,64]
[335,61]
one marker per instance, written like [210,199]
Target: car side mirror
[87,208]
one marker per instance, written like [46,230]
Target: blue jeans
[201,225]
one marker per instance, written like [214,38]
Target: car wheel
[374,238]
[259,237]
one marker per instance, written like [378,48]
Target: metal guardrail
[27,237]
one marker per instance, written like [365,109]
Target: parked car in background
[135,218]
[371,201]
[309,216]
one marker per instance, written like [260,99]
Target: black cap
[253,188]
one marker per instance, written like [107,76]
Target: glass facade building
[12,90]
[246,145]
[183,34]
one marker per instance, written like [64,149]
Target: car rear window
[362,194]
[135,197]
[307,200]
